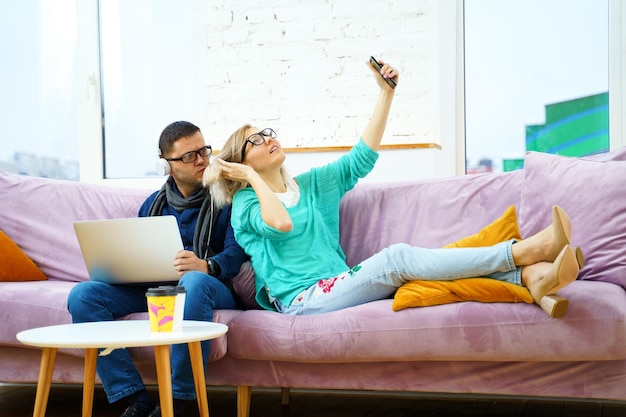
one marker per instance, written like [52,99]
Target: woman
[290,228]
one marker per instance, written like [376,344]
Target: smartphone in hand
[378,67]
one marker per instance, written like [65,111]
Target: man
[210,259]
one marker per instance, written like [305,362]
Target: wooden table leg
[91,356]
[164,379]
[243,400]
[285,395]
[48,358]
[195,354]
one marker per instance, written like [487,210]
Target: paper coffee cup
[161,304]
[179,306]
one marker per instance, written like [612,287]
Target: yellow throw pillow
[503,228]
[15,265]
[422,293]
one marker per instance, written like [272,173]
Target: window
[40,133]
[147,79]
[536,78]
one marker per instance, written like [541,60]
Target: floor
[65,401]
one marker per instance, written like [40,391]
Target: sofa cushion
[501,229]
[27,305]
[428,213]
[616,155]
[594,195]
[15,265]
[371,332]
[245,287]
[421,293]
[39,213]
[218,345]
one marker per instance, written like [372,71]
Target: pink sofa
[466,348]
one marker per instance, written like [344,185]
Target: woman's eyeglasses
[189,157]
[257,139]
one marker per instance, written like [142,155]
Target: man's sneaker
[157,412]
[134,411]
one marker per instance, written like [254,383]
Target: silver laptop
[133,250]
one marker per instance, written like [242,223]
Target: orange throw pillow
[15,265]
[422,293]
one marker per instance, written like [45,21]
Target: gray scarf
[206,218]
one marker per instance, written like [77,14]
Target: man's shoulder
[145,207]
[152,196]
[224,210]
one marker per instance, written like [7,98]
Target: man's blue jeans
[91,301]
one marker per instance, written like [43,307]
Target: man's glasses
[257,139]
[189,157]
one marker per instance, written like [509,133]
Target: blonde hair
[223,189]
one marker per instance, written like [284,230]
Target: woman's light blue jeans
[91,301]
[379,276]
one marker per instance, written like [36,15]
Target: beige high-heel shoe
[562,232]
[563,272]
[555,305]
[557,234]
[580,258]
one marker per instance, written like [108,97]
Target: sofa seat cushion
[27,305]
[219,345]
[467,331]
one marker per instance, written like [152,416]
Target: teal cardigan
[286,263]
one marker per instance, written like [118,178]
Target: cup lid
[177,288]
[160,291]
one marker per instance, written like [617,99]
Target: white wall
[301,68]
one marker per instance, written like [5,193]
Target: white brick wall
[299,66]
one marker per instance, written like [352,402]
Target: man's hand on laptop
[188,261]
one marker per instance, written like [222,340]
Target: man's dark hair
[173,132]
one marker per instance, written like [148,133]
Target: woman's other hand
[387,71]
[235,171]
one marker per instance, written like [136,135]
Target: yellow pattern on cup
[161,302]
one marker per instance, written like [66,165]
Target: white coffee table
[121,334]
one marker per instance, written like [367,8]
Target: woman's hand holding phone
[388,77]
